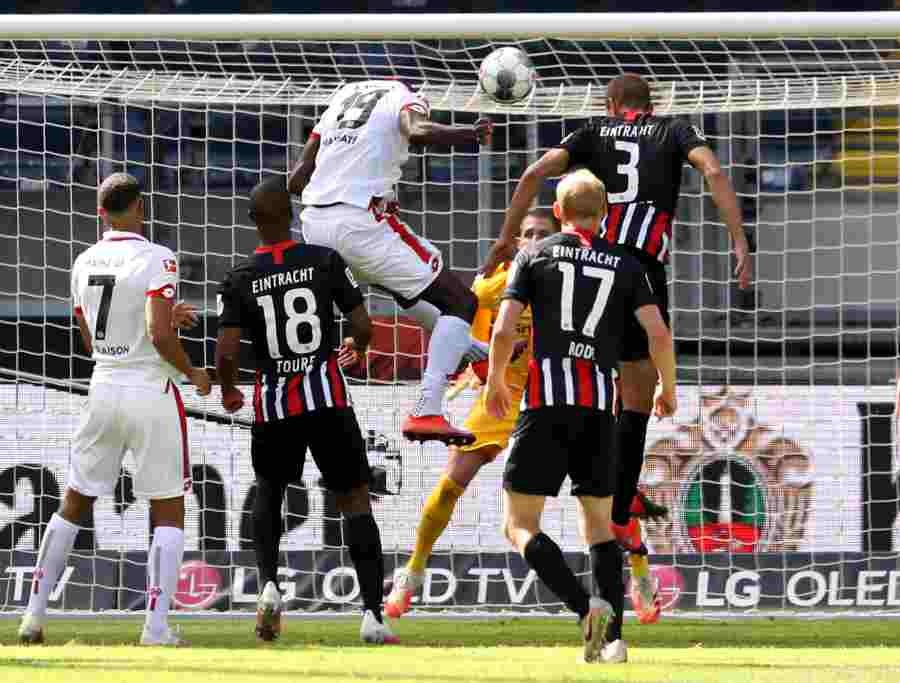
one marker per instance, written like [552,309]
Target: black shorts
[278,449]
[554,441]
[634,342]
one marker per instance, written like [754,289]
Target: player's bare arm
[358,342]
[553,164]
[303,171]
[703,159]
[662,352]
[228,352]
[497,396]
[420,130]
[164,338]
[85,331]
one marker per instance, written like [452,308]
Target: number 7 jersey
[111,281]
[284,298]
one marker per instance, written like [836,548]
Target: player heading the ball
[346,176]
[583,293]
[123,291]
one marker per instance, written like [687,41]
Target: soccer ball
[507,75]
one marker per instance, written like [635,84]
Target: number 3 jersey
[582,291]
[639,158]
[361,148]
[111,281]
[284,298]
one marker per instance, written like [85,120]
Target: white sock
[55,548]
[449,341]
[425,313]
[163,567]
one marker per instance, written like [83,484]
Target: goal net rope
[779,468]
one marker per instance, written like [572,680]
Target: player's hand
[232,400]
[184,316]
[497,399]
[665,403]
[744,269]
[484,131]
[348,355]
[501,252]
[200,379]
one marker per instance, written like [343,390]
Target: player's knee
[168,512]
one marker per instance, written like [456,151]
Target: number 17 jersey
[284,298]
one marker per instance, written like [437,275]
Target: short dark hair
[547,215]
[118,192]
[630,91]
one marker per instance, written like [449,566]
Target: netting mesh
[782,482]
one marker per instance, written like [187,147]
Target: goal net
[779,469]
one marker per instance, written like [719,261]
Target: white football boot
[373,631]
[593,628]
[31,630]
[168,637]
[406,585]
[268,613]
[615,652]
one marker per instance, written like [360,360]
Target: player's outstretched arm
[497,396]
[228,354]
[164,338]
[662,352]
[554,163]
[303,171]
[703,159]
[420,130]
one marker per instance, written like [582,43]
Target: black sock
[606,563]
[631,432]
[547,560]
[267,526]
[364,542]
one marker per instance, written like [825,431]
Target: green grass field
[457,651]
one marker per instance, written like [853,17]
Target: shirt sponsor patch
[170,265]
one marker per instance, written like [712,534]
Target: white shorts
[142,419]
[385,252]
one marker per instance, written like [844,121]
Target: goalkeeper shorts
[489,430]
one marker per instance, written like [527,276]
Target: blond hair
[581,195]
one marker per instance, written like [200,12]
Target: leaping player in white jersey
[123,290]
[346,176]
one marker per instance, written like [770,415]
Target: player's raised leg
[55,548]
[461,468]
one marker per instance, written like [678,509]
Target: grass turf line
[456,651]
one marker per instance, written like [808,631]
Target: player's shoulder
[311,254]
[628,260]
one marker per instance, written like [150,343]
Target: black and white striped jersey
[284,298]
[639,158]
[582,291]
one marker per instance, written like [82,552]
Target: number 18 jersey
[361,148]
[582,292]
[284,298]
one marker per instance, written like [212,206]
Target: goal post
[780,467]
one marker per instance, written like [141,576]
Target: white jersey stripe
[326,385]
[570,383]
[307,393]
[665,248]
[645,226]
[548,382]
[264,395]
[279,398]
[601,389]
[626,223]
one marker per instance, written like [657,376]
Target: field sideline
[457,651]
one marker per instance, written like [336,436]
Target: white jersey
[110,285]
[361,148]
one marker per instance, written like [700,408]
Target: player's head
[628,92]
[120,204]
[537,224]
[580,201]
[271,210]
